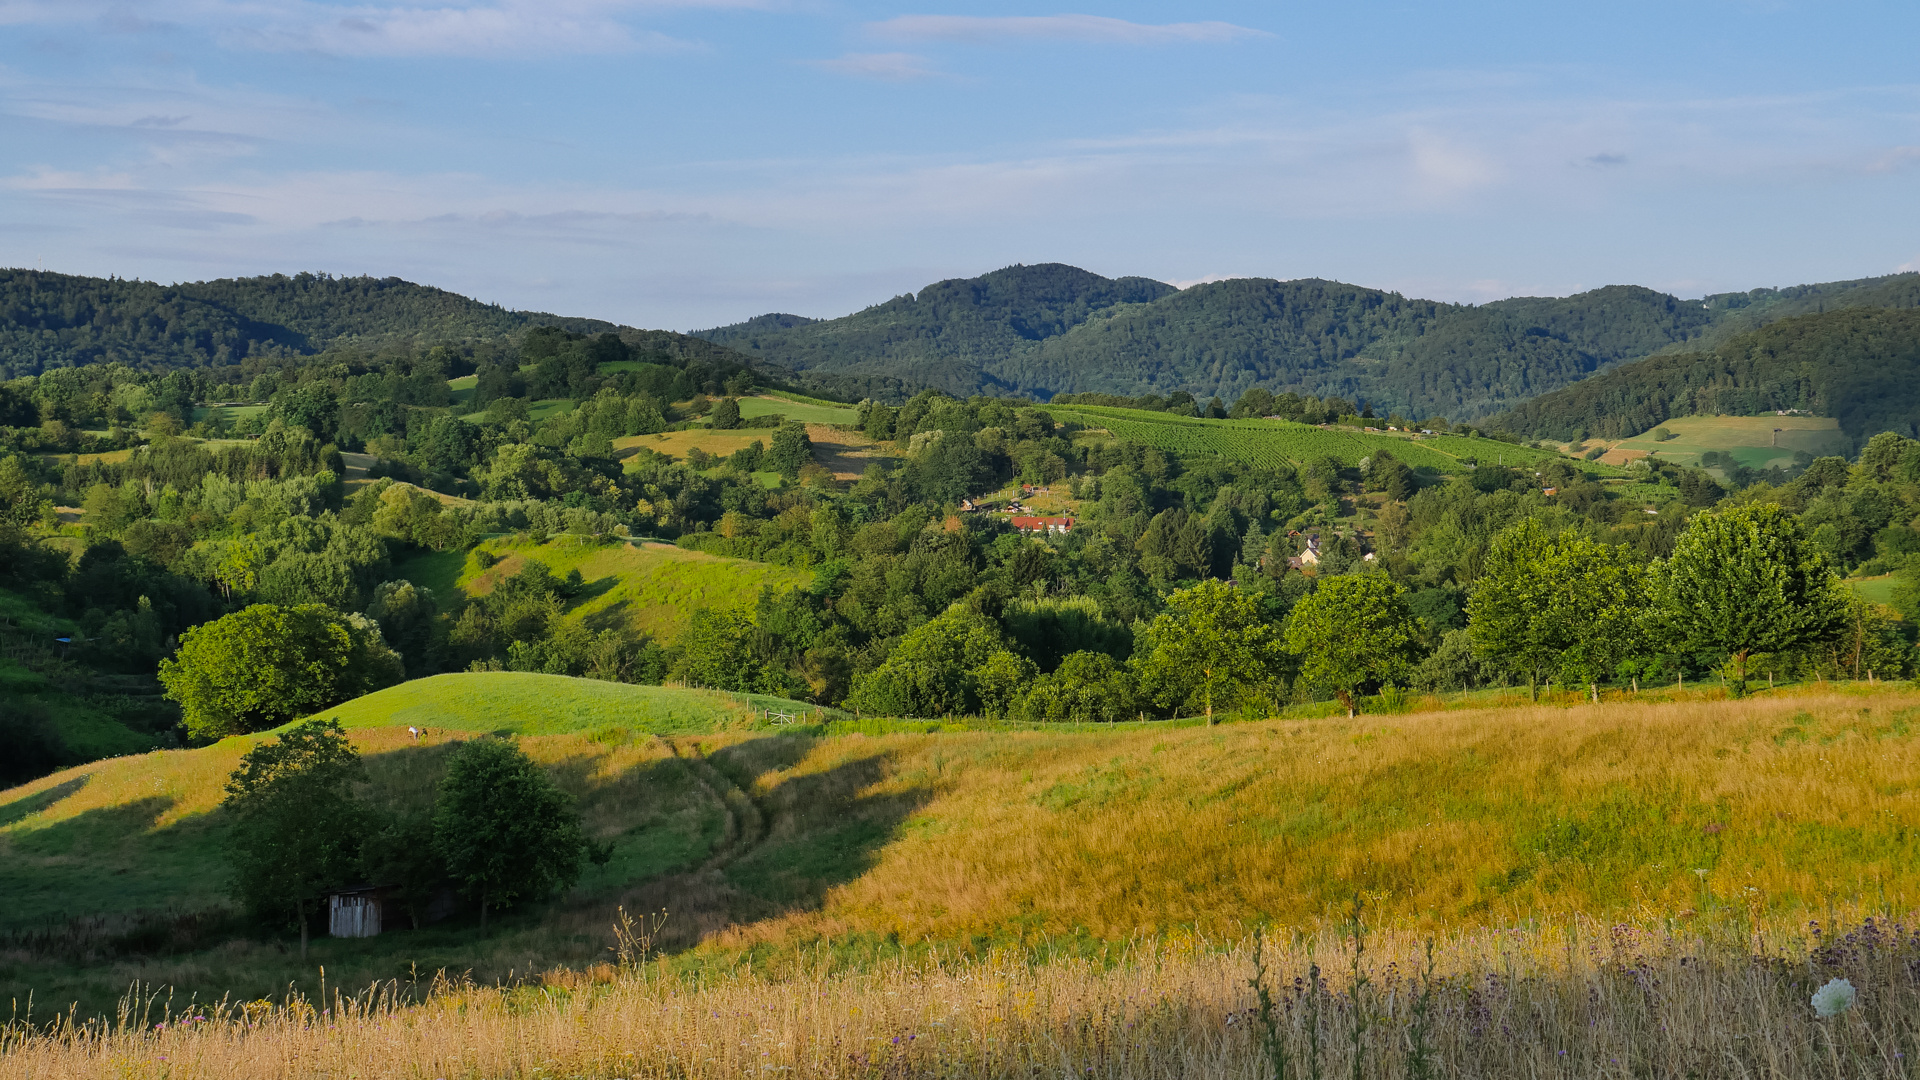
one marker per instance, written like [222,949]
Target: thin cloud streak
[890,67]
[1089,29]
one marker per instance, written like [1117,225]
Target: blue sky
[685,164]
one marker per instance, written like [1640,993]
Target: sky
[683,164]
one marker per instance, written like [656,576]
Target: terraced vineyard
[1269,443]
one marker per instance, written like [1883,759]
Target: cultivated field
[1749,438]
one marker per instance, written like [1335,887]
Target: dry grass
[1446,819]
[1575,999]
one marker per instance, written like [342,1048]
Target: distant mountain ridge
[50,320]
[1051,328]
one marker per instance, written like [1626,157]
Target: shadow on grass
[33,804]
[821,830]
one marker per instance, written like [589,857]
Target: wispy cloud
[514,28]
[1095,29]
[490,28]
[892,66]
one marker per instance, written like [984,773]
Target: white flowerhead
[1834,998]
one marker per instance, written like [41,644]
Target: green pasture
[1269,443]
[804,412]
[529,703]
[1752,440]
[226,413]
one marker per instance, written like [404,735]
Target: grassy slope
[1264,442]
[87,732]
[526,703]
[1465,818]
[1475,817]
[1749,438]
[805,412]
[653,588]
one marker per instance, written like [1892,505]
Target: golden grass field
[1632,883]
[1573,999]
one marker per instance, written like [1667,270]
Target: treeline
[1861,366]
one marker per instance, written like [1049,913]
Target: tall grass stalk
[1626,1002]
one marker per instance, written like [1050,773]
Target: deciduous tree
[1211,640]
[296,824]
[502,828]
[1745,581]
[266,664]
[1547,604]
[1352,633]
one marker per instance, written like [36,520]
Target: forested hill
[951,335]
[1860,365]
[52,321]
[1325,338]
[1052,329]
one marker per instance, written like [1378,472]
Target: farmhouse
[1043,524]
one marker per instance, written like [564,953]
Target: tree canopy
[295,821]
[502,829]
[266,664]
[1353,632]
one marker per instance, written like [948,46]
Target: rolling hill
[850,848]
[1053,329]
[50,320]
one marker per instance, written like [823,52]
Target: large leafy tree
[1745,581]
[1547,604]
[1213,640]
[957,664]
[266,664]
[1352,633]
[296,824]
[503,830]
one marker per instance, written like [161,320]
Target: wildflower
[1834,998]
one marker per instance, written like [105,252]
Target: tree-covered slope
[947,336]
[50,321]
[1053,329]
[1324,337]
[1861,365]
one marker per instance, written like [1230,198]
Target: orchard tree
[1352,633]
[726,414]
[1548,604]
[296,824]
[266,664]
[1745,581]
[1212,639]
[502,829]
